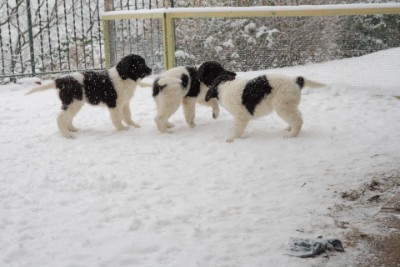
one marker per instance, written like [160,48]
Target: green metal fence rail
[49,37]
[140,36]
[314,16]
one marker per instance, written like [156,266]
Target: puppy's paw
[288,129]
[164,130]
[215,114]
[169,125]
[289,135]
[132,123]
[73,128]
[230,140]
[68,135]
[136,125]
[192,124]
[123,128]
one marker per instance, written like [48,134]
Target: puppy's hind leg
[189,109]
[73,109]
[63,121]
[116,118]
[238,128]
[128,117]
[169,125]
[292,116]
[165,108]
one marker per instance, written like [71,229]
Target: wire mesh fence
[139,36]
[247,44]
[48,37]
[259,43]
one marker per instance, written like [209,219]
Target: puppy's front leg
[238,128]
[128,117]
[292,115]
[62,123]
[116,118]
[215,107]
[189,106]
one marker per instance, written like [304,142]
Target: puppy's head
[213,91]
[210,70]
[133,67]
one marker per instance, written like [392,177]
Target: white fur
[284,99]
[125,90]
[42,87]
[171,97]
[121,113]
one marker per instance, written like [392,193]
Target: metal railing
[169,15]
[48,37]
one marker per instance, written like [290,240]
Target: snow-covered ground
[140,198]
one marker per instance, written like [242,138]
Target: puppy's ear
[212,93]
[133,67]
[230,73]
[209,71]
[123,68]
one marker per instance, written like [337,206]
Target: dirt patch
[386,249]
[371,220]
[380,250]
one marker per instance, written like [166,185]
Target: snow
[195,11]
[181,54]
[228,43]
[140,198]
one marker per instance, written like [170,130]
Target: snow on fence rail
[168,15]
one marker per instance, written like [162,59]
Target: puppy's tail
[43,87]
[169,81]
[303,82]
[161,83]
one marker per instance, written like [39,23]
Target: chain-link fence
[49,36]
[45,37]
[258,43]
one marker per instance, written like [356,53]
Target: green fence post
[32,52]
[109,36]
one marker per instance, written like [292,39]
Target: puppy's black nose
[230,73]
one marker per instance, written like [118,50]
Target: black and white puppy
[248,99]
[114,88]
[187,85]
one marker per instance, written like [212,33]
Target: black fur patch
[210,70]
[254,92]
[99,88]
[300,82]
[157,88]
[185,80]
[222,79]
[133,67]
[194,88]
[70,89]
[213,91]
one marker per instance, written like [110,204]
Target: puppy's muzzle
[146,72]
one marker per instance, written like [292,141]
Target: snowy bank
[140,198]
